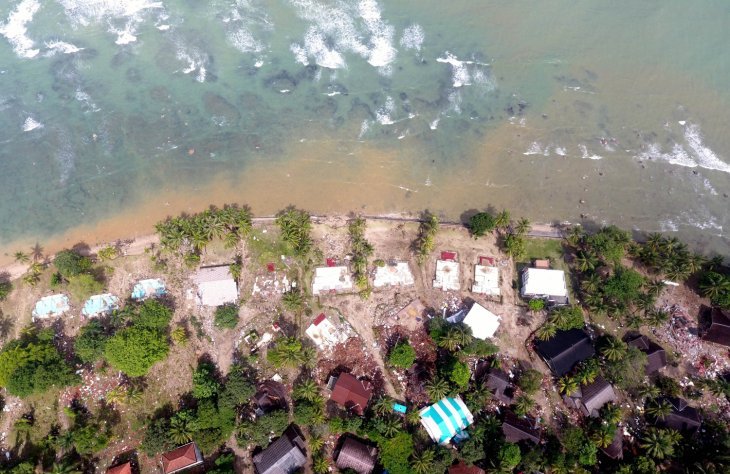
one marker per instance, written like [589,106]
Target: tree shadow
[81,248]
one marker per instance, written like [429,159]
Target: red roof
[350,393]
[448,255]
[180,458]
[318,319]
[331,262]
[125,468]
[270,267]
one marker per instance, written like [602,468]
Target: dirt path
[363,328]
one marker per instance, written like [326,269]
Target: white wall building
[447,276]
[393,275]
[328,279]
[486,280]
[215,286]
[544,283]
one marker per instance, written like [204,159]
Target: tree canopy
[134,350]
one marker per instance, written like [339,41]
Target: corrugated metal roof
[356,455]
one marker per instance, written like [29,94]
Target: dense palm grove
[613,277]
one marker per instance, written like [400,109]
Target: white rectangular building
[544,283]
[486,280]
[398,274]
[447,276]
[215,286]
[328,279]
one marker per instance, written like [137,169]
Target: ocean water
[116,113]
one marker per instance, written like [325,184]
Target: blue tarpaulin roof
[397,407]
[100,304]
[54,305]
[153,287]
[445,419]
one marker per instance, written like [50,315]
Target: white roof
[447,275]
[483,323]
[486,280]
[543,282]
[216,286]
[324,333]
[331,279]
[53,305]
[398,274]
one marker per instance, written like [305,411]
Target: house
[656,356]
[719,329]
[324,333]
[393,274]
[462,468]
[50,306]
[125,468]
[283,456]
[483,323]
[99,305]
[150,288]
[545,284]
[446,419]
[518,429]
[496,381]
[356,455]
[181,458]
[682,417]
[331,279]
[486,278]
[615,450]
[350,393]
[215,286]
[589,399]
[270,396]
[565,349]
[447,274]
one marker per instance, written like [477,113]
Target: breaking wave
[15,28]
[694,153]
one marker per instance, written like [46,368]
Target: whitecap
[588,156]
[412,37]
[31,124]
[383,114]
[560,151]
[15,29]
[706,158]
[537,149]
[678,155]
[434,124]
[460,74]
[364,127]
[58,46]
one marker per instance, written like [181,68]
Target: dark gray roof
[615,450]
[565,349]
[355,454]
[516,428]
[656,356]
[283,456]
[719,329]
[595,395]
[497,382]
[683,417]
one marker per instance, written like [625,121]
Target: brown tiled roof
[181,458]
[462,468]
[516,428]
[356,455]
[125,468]
[656,356]
[350,393]
[719,329]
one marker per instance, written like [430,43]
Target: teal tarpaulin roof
[54,305]
[153,287]
[443,420]
[100,304]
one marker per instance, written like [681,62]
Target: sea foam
[15,28]
[31,124]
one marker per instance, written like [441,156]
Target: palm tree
[546,331]
[714,284]
[514,246]
[502,220]
[603,435]
[32,278]
[391,426]
[292,300]
[306,390]
[316,443]
[383,406]
[679,271]
[450,340]
[586,261]
[567,385]
[659,443]
[523,405]
[587,372]
[522,227]
[649,391]
[659,410]
[592,284]
[21,257]
[320,465]
[309,357]
[654,241]
[63,468]
[134,395]
[437,389]
[611,413]
[421,462]
[116,396]
[575,236]
[180,431]
[614,350]
[657,317]
[695,262]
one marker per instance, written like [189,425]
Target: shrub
[480,348]
[134,350]
[460,374]
[5,288]
[226,316]
[395,452]
[204,383]
[108,253]
[70,263]
[258,431]
[403,355]
[536,304]
[56,279]
[153,314]
[84,285]
[530,381]
[89,439]
[509,456]
[481,223]
[156,437]
[89,344]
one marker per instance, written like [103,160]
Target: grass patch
[267,247]
[545,248]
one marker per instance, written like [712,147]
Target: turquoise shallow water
[607,112]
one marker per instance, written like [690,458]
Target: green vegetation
[403,355]
[70,263]
[5,288]
[426,240]
[481,224]
[296,228]
[32,365]
[89,344]
[361,250]
[290,352]
[134,350]
[226,316]
[83,286]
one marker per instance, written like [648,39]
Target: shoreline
[136,245]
